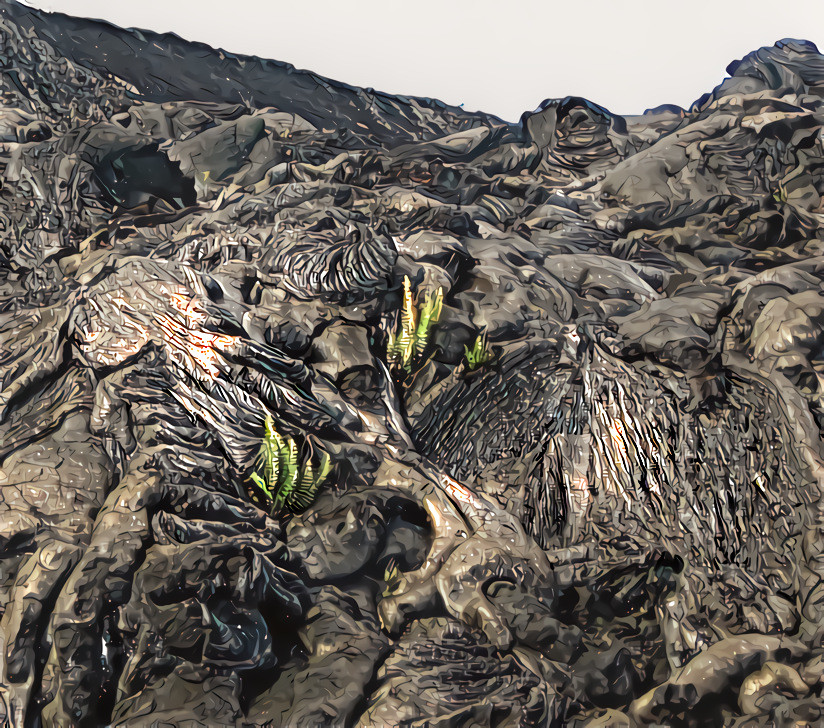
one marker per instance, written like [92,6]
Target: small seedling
[780,194]
[407,346]
[479,354]
[287,483]
[391,576]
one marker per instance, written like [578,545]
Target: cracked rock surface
[614,519]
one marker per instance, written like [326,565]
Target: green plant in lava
[391,576]
[780,194]
[407,345]
[479,354]
[289,481]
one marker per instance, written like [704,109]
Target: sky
[499,56]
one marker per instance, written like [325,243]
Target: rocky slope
[615,519]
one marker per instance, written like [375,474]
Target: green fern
[287,482]
[408,344]
[270,451]
[479,354]
[307,488]
[430,313]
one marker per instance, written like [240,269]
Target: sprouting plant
[479,354]
[409,343]
[391,576]
[287,480]
[429,314]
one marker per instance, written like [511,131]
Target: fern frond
[272,463]
[303,493]
[479,354]
[410,339]
[290,463]
[261,483]
[391,348]
[408,354]
[280,475]
[309,484]
[430,313]
[267,459]
[280,483]
[324,470]
[408,318]
[405,344]
[278,458]
[391,572]
[391,576]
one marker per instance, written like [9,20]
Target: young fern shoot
[287,483]
[408,344]
[429,315]
[479,354]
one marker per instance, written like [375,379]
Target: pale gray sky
[503,57]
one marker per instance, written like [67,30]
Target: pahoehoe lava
[566,373]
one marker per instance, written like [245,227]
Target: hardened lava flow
[324,407]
